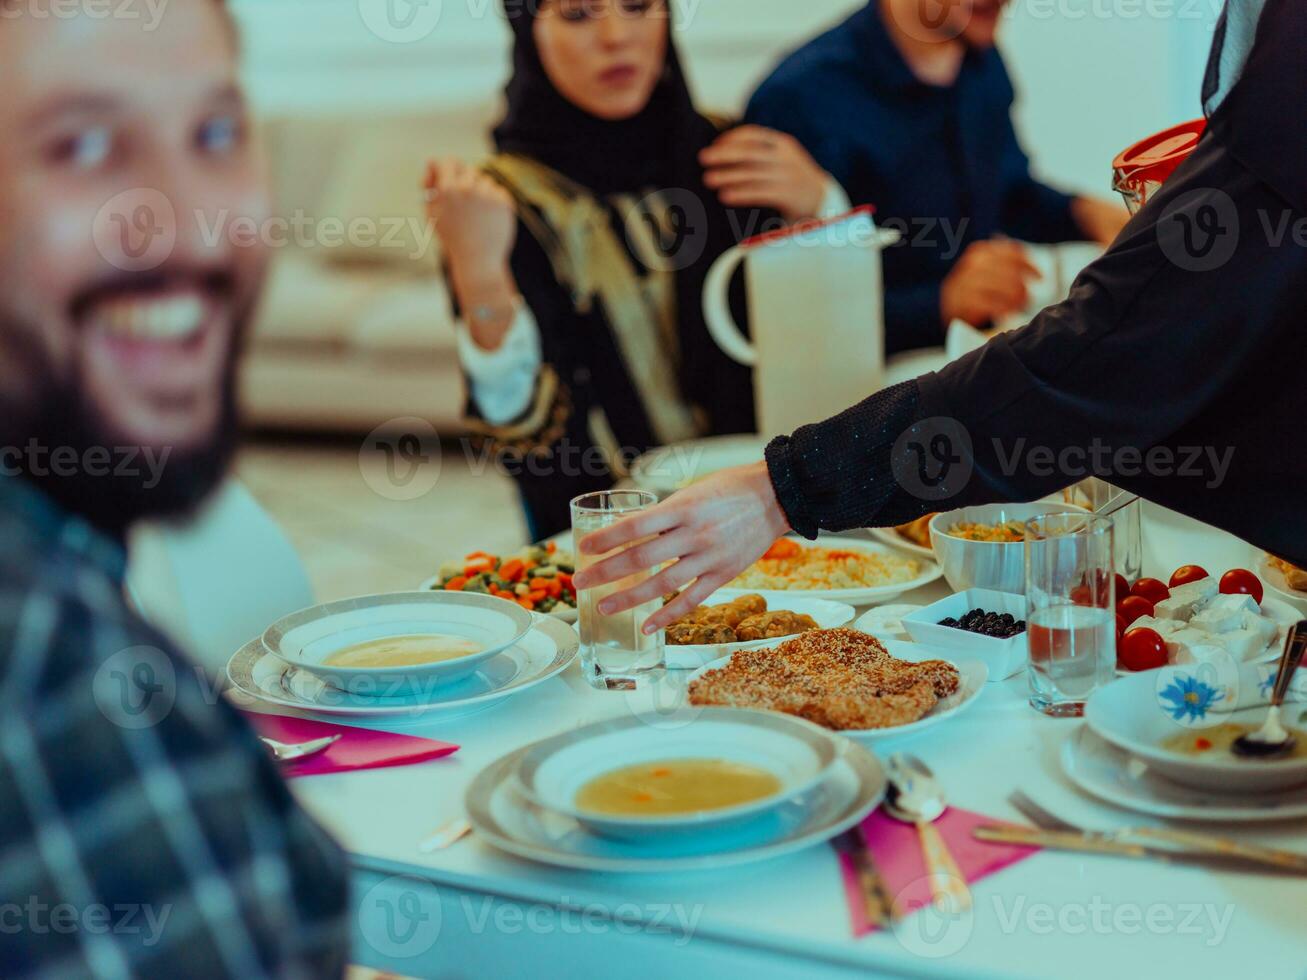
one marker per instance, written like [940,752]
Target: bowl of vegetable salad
[538,578]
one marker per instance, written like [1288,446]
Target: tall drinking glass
[1127,524]
[615,654]
[1071,624]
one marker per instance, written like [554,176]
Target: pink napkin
[897,852]
[358,748]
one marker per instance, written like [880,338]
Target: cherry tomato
[1152,589]
[1240,581]
[1122,587]
[1186,574]
[1081,596]
[1132,607]
[1142,649]
[1120,626]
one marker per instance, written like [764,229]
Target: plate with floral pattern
[1114,776]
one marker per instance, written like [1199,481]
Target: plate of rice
[857,571]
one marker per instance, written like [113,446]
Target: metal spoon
[283,752]
[1273,739]
[916,797]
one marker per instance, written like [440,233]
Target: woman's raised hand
[756,167]
[474,216]
[711,531]
[476,220]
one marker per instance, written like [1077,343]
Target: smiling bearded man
[125,785]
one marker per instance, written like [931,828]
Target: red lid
[1154,159]
[801,227]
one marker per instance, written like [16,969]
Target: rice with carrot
[790,565]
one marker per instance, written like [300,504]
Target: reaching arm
[1086,369]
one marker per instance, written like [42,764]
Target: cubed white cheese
[1199,591]
[1164,627]
[1173,609]
[1181,641]
[1224,613]
[1265,627]
[1242,644]
[1197,654]
[1186,599]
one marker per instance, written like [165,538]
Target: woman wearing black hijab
[577,254]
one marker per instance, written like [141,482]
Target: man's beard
[104,478]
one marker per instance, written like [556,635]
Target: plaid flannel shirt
[143,830]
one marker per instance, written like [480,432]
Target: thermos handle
[717,308]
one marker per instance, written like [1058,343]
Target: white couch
[355,329]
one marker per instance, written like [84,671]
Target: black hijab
[658,148]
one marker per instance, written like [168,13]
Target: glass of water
[1071,624]
[1127,524]
[615,654]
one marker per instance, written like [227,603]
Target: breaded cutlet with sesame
[840,678]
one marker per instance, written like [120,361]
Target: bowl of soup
[1182,721]
[631,780]
[398,645]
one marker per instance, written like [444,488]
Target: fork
[1165,843]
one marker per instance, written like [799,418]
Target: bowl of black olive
[998,625]
[983,623]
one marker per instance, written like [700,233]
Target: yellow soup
[676,786]
[1219,739]
[403,651]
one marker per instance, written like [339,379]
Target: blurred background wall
[1091,74]
[354,95]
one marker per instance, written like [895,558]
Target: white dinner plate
[543,653]
[885,623]
[973,675]
[1285,616]
[503,817]
[827,614]
[1114,776]
[1275,582]
[861,596]
[671,468]
[891,537]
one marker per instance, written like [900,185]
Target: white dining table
[470,910]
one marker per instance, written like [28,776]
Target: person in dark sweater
[1172,370]
[914,116]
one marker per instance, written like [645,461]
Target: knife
[1186,846]
[876,902]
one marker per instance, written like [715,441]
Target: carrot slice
[783,548]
